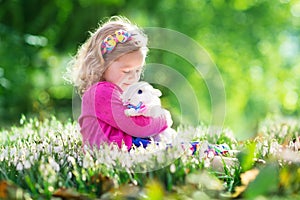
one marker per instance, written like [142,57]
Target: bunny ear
[156,92]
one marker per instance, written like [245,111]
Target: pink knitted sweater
[102,118]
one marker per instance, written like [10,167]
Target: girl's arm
[110,109]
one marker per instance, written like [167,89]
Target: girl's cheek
[125,77]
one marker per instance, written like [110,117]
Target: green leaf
[246,157]
[154,190]
[265,183]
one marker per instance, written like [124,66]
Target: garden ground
[45,160]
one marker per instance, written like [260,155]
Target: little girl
[107,63]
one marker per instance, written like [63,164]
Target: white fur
[150,98]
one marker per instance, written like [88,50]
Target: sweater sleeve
[110,109]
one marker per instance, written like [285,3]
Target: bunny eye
[140,91]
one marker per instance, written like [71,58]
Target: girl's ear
[156,92]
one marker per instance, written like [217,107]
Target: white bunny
[142,99]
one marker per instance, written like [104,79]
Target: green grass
[44,160]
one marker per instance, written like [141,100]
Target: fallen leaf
[127,191]
[237,192]
[249,176]
[104,183]
[3,189]
[8,190]
[68,193]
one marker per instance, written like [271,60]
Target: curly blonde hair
[89,65]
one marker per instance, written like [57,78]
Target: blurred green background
[254,43]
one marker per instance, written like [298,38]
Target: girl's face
[125,70]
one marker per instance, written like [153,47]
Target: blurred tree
[36,40]
[255,45]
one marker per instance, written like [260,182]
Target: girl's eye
[140,91]
[126,72]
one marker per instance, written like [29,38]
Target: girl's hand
[132,112]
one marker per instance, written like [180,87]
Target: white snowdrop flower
[194,160]
[75,155]
[61,155]
[134,182]
[160,158]
[36,155]
[19,166]
[109,162]
[49,149]
[70,175]
[124,148]
[13,151]
[40,147]
[87,161]
[86,148]
[172,168]
[42,159]
[264,151]
[27,152]
[139,158]
[13,138]
[206,163]
[265,148]
[60,184]
[21,152]
[69,143]
[31,158]
[258,146]
[137,151]
[113,155]
[53,164]
[99,161]
[4,154]
[184,158]
[37,123]
[32,147]
[26,164]
[50,175]
[126,161]
[83,177]
[232,170]
[58,149]
[283,131]
[15,161]
[274,147]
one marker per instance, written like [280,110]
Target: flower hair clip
[111,41]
